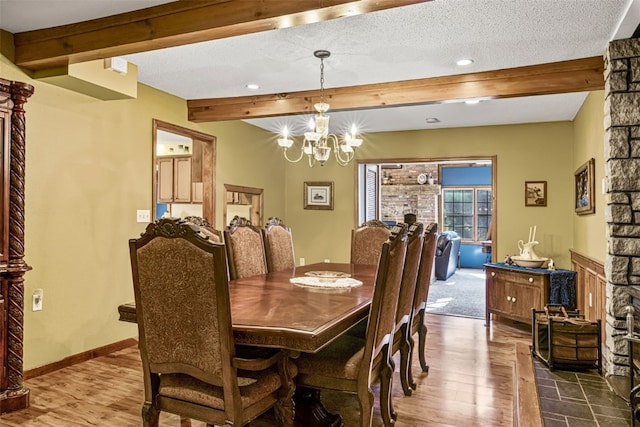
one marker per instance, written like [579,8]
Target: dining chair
[189,360]
[425,274]
[352,365]
[367,240]
[205,228]
[245,249]
[402,341]
[278,245]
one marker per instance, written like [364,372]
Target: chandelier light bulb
[285,142]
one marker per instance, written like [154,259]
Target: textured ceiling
[411,42]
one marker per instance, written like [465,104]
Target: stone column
[622,171]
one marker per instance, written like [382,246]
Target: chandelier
[318,142]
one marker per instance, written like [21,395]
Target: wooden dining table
[269,310]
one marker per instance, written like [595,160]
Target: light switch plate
[143,215]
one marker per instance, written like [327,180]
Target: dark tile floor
[579,399]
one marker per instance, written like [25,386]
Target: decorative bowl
[327,276]
[527,262]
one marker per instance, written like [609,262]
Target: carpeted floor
[463,294]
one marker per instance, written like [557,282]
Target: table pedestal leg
[311,413]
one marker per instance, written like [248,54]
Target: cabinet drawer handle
[513,299]
[493,273]
[508,298]
[530,279]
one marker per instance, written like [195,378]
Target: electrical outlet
[37,299]
[143,215]
[327,260]
[301,261]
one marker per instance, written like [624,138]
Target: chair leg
[150,415]
[422,343]
[366,408]
[410,379]
[405,361]
[389,415]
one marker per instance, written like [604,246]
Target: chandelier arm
[312,160]
[337,152]
[286,156]
[343,162]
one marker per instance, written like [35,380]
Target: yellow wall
[530,152]
[590,231]
[89,169]
[88,166]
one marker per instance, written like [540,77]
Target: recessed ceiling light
[432,120]
[253,86]
[464,62]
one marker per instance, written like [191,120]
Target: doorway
[243,201]
[183,172]
[457,194]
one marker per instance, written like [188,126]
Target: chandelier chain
[321,79]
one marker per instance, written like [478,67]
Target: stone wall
[401,193]
[622,172]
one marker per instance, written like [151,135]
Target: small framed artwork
[318,195]
[585,188]
[535,193]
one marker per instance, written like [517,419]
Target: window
[467,211]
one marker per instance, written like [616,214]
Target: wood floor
[470,383]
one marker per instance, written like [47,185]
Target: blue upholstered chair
[447,254]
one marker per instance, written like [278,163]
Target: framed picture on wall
[318,195]
[535,193]
[584,201]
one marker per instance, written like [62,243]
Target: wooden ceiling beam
[559,77]
[175,24]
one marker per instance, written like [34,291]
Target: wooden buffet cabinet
[512,293]
[13,96]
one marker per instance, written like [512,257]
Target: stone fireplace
[401,194]
[622,172]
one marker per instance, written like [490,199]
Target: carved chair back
[402,330]
[387,290]
[415,241]
[278,244]
[425,271]
[185,332]
[245,249]
[367,240]
[422,294]
[206,228]
[353,364]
